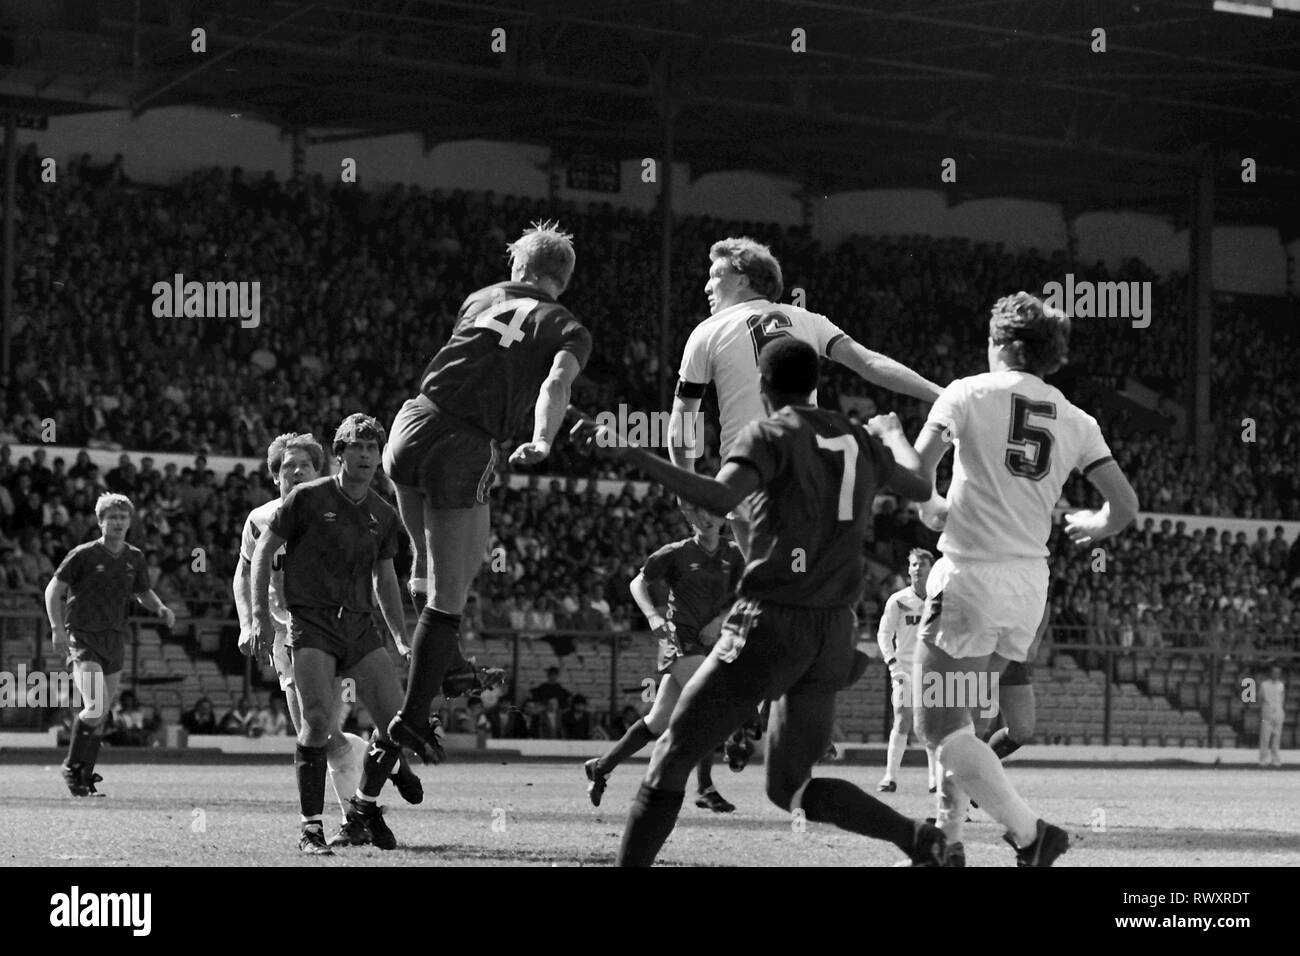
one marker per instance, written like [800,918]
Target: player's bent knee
[936,724]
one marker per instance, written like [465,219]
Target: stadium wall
[163,145]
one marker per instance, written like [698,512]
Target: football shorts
[782,649]
[978,608]
[350,636]
[281,658]
[105,648]
[450,460]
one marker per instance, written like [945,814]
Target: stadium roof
[1011,89]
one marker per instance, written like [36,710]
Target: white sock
[894,754]
[977,770]
[954,805]
[345,764]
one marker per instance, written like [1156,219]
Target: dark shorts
[448,459]
[779,649]
[685,666]
[105,648]
[1017,674]
[349,636]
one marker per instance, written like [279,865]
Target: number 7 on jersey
[849,448]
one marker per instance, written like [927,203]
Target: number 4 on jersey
[511,333]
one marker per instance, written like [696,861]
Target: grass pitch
[527,813]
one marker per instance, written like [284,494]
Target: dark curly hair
[1037,334]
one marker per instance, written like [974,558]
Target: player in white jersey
[293,459]
[744,289]
[897,639]
[1016,440]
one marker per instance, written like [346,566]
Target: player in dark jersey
[701,573]
[340,538]
[789,637]
[98,579]
[514,349]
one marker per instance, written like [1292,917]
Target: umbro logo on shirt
[695,565]
[99,567]
[330,516]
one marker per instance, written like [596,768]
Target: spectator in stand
[272,721]
[240,721]
[550,722]
[551,689]
[577,722]
[200,718]
[131,725]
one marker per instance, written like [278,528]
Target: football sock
[345,766]
[312,767]
[649,823]
[79,741]
[434,646]
[380,760]
[92,749]
[954,807]
[704,773]
[979,773]
[420,598]
[894,753]
[1002,744]
[829,800]
[637,736]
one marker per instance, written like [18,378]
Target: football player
[701,573]
[1016,441]
[897,639]
[514,348]
[291,460]
[86,602]
[789,637]
[339,538]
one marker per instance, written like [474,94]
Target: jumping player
[513,348]
[897,639]
[291,460]
[789,637]
[701,573]
[98,579]
[1017,439]
[744,289]
[339,538]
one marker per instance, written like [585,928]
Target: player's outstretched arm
[1121,507]
[242,587]
[389,595]
[910,478]
[683,436]
[879,369]
[263,627]
[548,413]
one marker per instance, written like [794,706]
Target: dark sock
[828,800]
[434,646]
[420,599]
[637,736]
[313,766]
[381,757]
[704,773]
[649,823]
[1002,744]
[79,741]
[92,752]
[401,764]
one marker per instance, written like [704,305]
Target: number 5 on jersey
[512,332]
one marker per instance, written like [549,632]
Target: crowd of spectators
[359,287]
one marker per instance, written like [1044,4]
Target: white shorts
[281,658]
[976,608]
